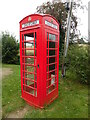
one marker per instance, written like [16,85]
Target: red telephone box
[39,59]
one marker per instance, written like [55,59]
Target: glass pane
[52,37]
[29,45]
[48,82]
[51,69]
[30,68]
[35,93]
[51,60]
[35,77]
[51,52]
[30,76]
[51,88]
[29,61]
[28,89]
[51,80]
[29,36]
[30,83]
[29,52]
[51,44]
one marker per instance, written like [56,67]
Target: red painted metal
[39,59]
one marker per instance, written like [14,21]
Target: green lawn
[71,103]
[11,91]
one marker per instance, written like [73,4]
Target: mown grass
[71,103]
[11,91]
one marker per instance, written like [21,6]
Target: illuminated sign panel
[36,22]
[50,24]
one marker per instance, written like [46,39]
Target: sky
[83,25]
[12,11]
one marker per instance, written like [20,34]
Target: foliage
[77,61]
[9,49]
[0,50]
[88,69]
[59,11]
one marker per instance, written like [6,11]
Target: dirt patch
[5,72]
[19,113]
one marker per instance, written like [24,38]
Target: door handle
[38,65]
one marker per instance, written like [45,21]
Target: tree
[9,49]
[59,11]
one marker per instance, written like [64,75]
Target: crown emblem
[29,19]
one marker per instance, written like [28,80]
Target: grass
[11,91]
[71,103]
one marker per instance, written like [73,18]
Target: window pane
[51,44]
[52,37]
[30,68]
[29,36]
[51,52]
[51,60]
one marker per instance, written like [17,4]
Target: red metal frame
[39,69]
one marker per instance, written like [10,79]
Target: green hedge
[9,49]
[77,62]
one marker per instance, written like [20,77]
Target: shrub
[88,70]
[9,49]
[0,51]
[77,62]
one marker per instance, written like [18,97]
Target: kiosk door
[52,51]
[29,62]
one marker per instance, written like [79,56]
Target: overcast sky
[12,11]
